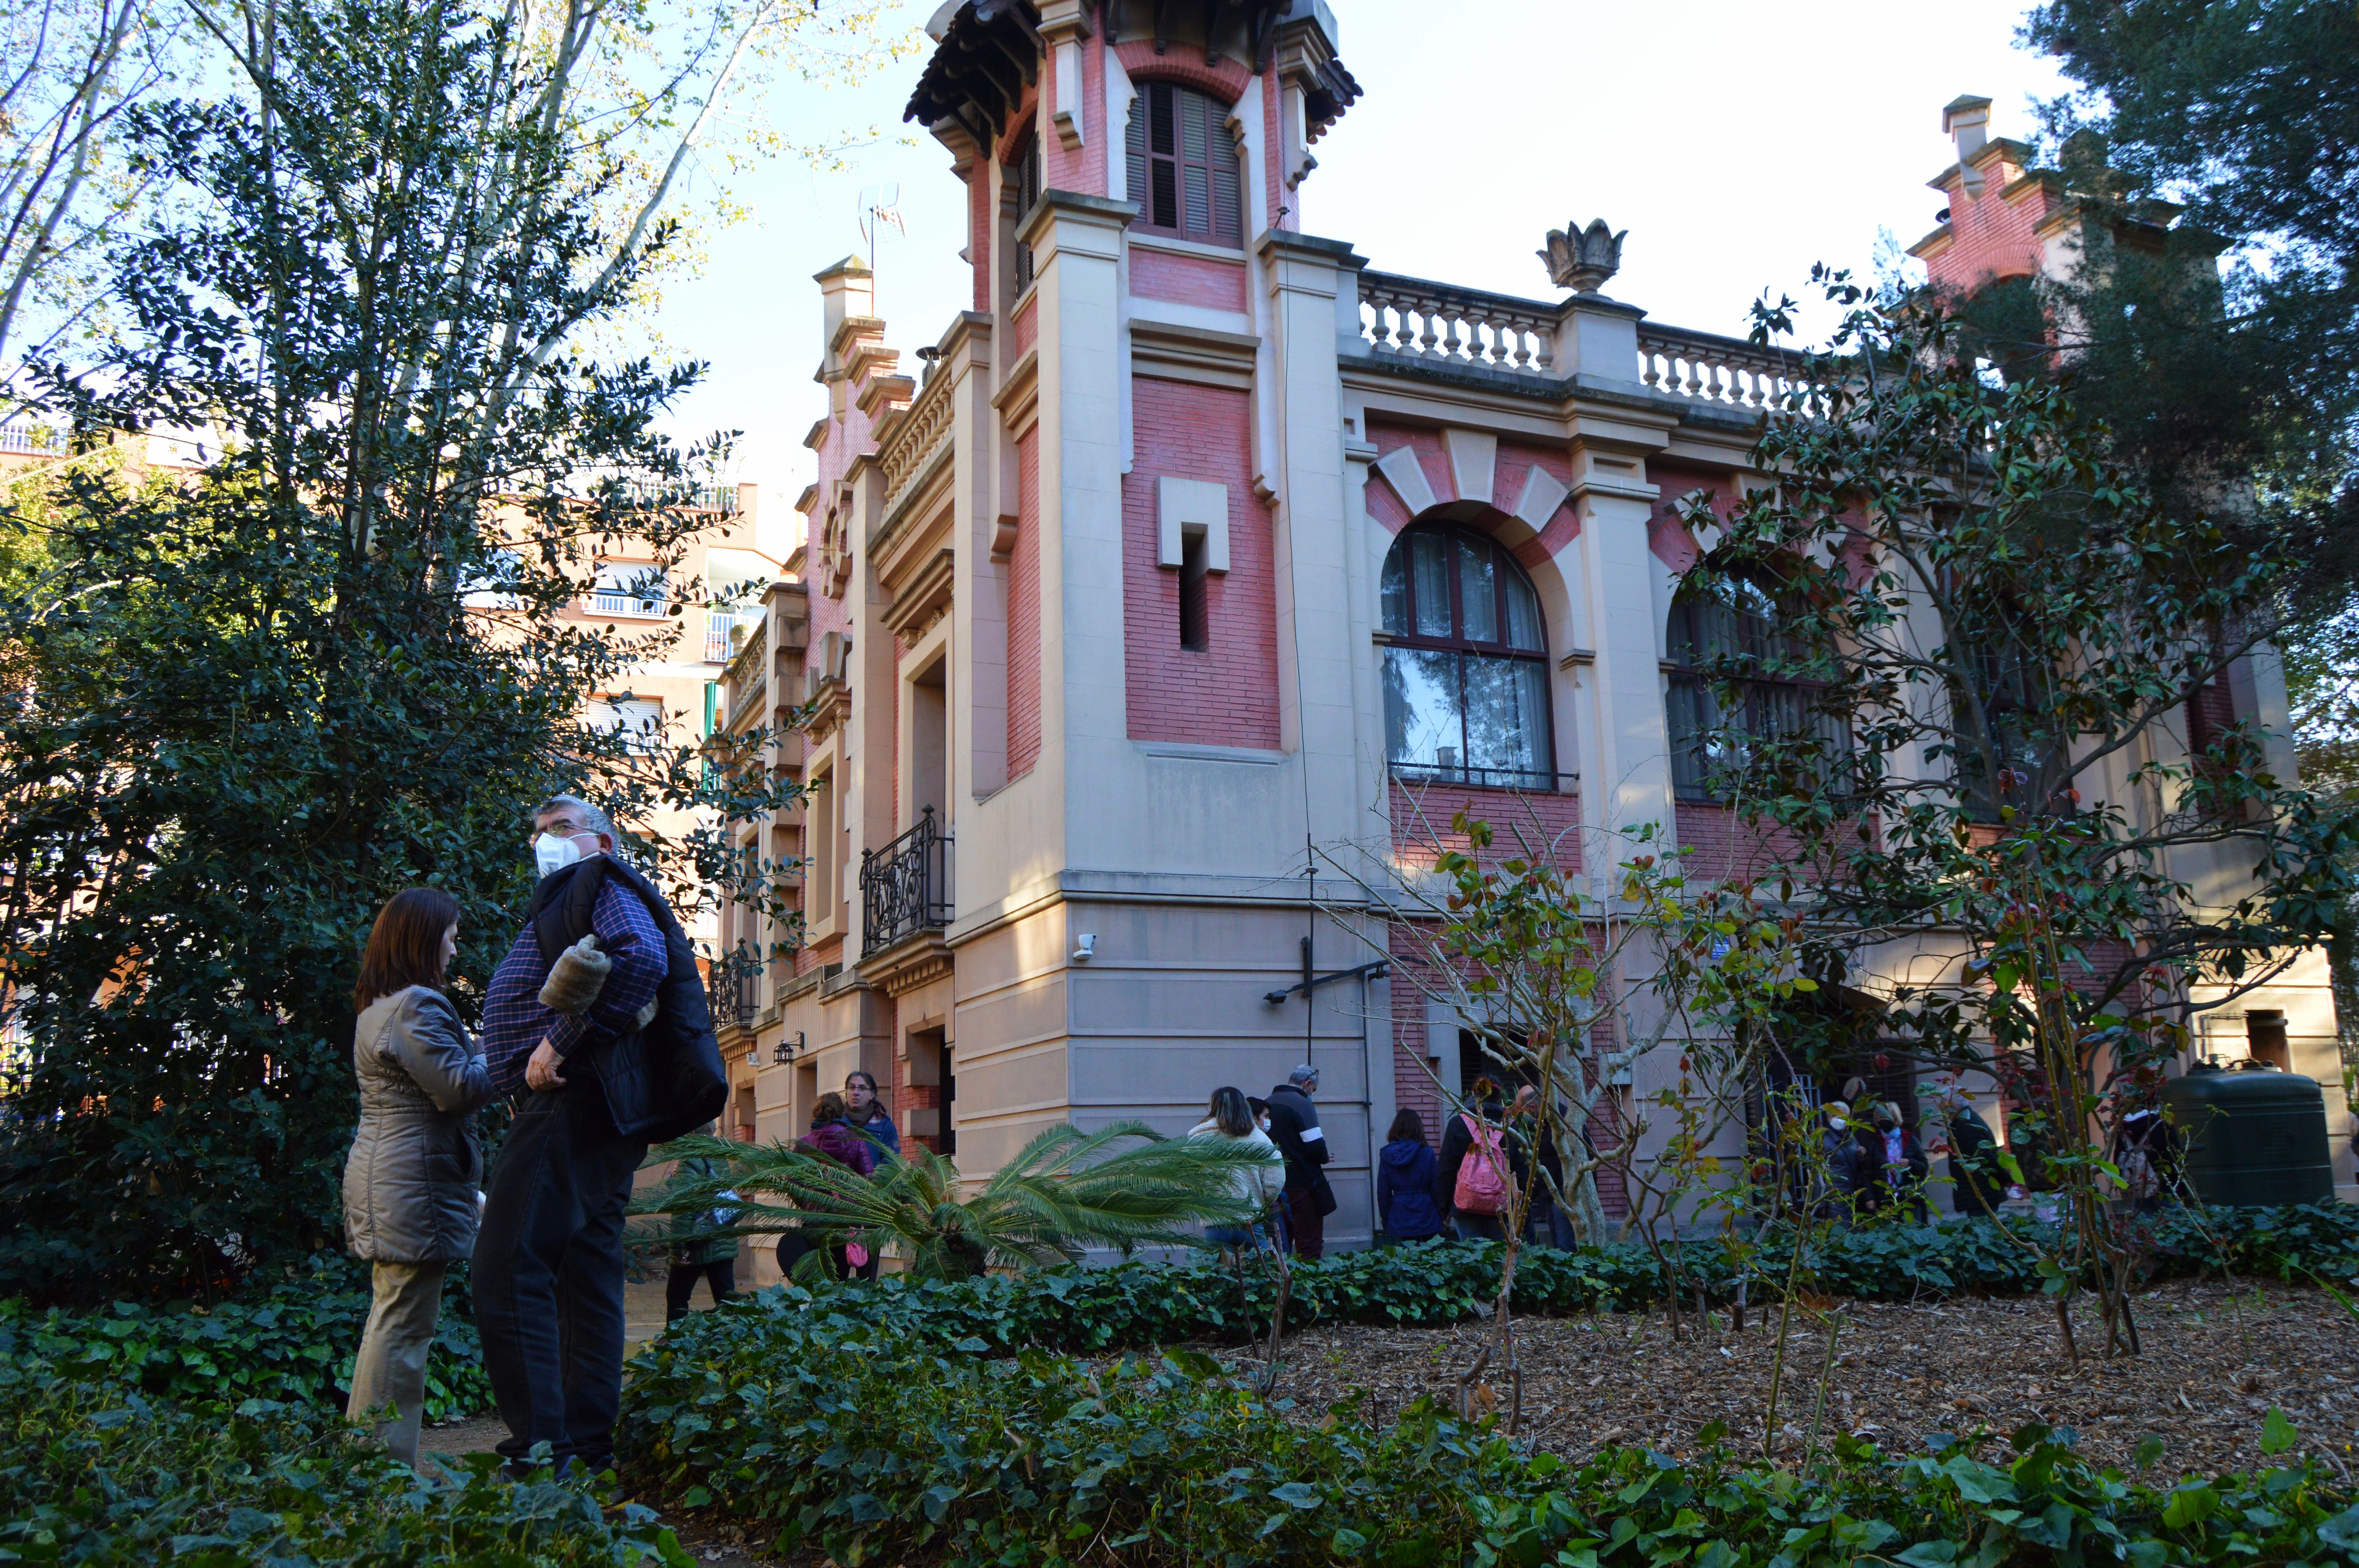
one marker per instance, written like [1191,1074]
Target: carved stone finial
[1583,259]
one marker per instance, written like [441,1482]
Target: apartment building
[1197,559]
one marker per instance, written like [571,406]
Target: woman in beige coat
[411,1180]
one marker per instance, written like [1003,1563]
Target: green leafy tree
[2245,113]
[336,659]
[1998,634]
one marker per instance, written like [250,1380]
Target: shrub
[94,1473]
[869,1444]
[1442,1282]
[293,1342]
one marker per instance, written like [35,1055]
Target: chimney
[848,291]
[1966,121]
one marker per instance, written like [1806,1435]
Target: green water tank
[2252,1138]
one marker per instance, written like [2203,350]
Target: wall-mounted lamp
[1085,947]
[785,1053]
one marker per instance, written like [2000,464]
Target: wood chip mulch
[2214,1360]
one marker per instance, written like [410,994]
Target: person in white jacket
[1230,1117]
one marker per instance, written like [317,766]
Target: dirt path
[2212,1367]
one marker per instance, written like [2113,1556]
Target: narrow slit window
[1195,613]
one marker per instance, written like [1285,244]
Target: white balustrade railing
[1413,319]
[1712,369]
[1439,324]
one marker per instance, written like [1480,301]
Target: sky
[1736,142]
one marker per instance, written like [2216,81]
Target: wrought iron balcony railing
[904,888]
[733,987]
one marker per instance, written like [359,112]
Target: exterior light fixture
[1085,947]
[784,1053]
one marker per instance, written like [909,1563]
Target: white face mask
[551,853]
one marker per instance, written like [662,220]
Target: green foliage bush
[94,1473]
[293,1342]
[1442,1282]
[872,1443]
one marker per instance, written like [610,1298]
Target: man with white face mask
[549,1263]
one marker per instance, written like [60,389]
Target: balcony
[718,626]
[904,888]
[32,440]
[734,989]
[748,674]
[1418,321]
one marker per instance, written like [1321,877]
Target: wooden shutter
[1027,196]
[1182,170]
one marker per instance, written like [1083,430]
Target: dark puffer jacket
[415,1162]
[1405,1190]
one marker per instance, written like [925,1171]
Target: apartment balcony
[904,888]
[628,606]
[719,626]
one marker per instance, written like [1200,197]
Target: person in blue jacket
[1405,1205]
[868,1112]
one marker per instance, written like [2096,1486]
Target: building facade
[1180,583]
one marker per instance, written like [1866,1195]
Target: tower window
[1025,176]
[1183,171]
[1466,687]
[1195,613]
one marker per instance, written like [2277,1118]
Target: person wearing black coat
[1294,1128]
[1892,1166]
[1546,1224]
[1978,1184]
[1405,1206]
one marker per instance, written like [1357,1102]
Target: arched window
[1730,620]
[1183,167]
[1466,690]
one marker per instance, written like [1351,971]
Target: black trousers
[1306,1228]
[549,1275]
[680,1284]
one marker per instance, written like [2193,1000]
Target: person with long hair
[1405,1206]
[1231,1116]
[411,1204]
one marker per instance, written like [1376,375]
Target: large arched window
[1466,690]
[1732,620]
[1182,166]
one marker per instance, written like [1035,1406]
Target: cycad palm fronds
[1123,1187]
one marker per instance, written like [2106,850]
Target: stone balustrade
[1441,324]
[1713,369]
[1416,319]
[921,428]
[748,674]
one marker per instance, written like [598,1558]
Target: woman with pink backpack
[1479,1166]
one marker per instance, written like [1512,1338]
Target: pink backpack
[1483,1174]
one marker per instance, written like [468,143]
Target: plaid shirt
[513,1019]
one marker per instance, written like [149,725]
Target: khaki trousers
[391,1369]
